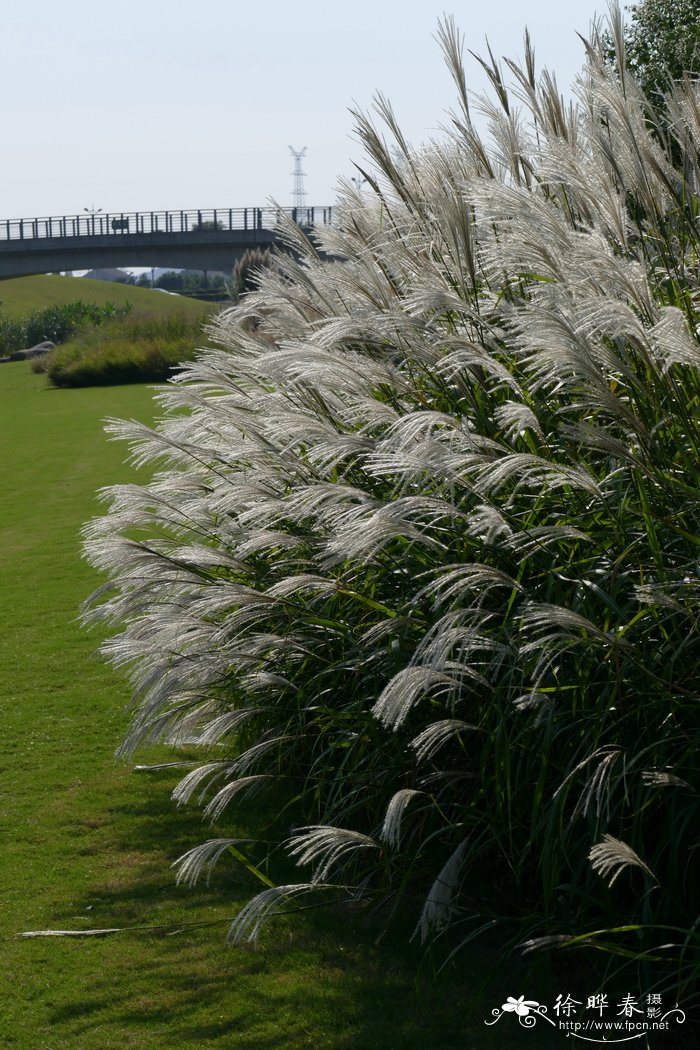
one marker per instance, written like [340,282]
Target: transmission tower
[298,192]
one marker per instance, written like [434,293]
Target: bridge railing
[195,221]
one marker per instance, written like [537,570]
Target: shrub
[55,323]
[12,334]
[424,549]
[139,349]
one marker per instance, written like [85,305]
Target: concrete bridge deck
[198,239]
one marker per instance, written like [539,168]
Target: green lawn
[22,295]
[89,843]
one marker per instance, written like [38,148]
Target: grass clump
[246,269]
[128,350]
[55,323]
[422,551]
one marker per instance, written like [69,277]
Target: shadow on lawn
[318,980]
[290,994]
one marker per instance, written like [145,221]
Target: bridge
[195,240]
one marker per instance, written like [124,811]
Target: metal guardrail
[119,223]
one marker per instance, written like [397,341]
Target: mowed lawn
[87,842]
[22,295]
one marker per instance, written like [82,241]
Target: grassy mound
[24,295]
[114,334]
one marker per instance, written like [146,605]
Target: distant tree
[204,285]
[170,280]
[208,224]
[217,284]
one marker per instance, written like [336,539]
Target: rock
[33,351]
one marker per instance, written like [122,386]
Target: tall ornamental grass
[420,558]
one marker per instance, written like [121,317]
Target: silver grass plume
[610,857]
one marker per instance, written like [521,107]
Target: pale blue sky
[152,104]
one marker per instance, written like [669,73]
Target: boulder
[33,351]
